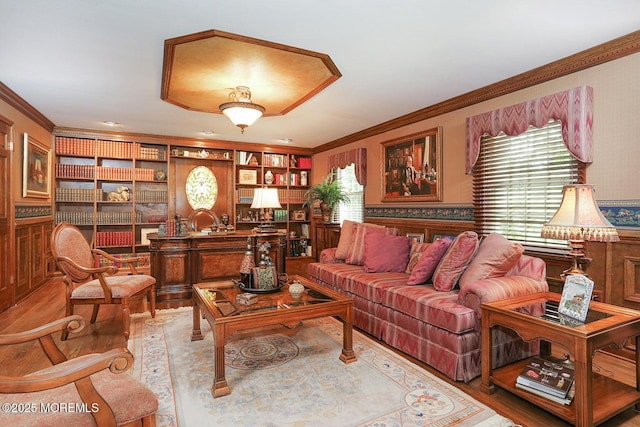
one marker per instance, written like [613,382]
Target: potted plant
[329,193]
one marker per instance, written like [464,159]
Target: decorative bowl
[296,290]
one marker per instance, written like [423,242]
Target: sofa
[424,298]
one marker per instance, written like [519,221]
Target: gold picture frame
[36,170]
[413,167]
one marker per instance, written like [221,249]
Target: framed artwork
[247,176]
[36,175]
[576,296]
[299,215]
[413,167]
[144,235]
[415,238]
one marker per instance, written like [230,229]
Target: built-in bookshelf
[289,173]
[112,190]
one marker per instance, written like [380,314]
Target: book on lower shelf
[547,376]
[563,401]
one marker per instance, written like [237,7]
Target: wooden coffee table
[216,302]
[597,398]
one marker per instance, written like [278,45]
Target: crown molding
[605,52]
[17,102]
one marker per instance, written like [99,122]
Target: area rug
[291,377]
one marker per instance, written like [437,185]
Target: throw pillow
[496,255]
[417,249]
[356,250]
[454,262]
[346,238]
[383,252]
[429,259]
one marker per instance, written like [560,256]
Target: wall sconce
[240,110]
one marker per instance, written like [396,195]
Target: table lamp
[266,199]
[578,219]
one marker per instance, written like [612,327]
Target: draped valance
[574,108]
[357,156]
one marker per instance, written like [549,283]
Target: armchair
[87,284]
[92,389]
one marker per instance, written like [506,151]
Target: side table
[606,324]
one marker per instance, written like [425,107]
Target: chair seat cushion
[121,287]
[129,399]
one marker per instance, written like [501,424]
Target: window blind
[517,185]
[353,211]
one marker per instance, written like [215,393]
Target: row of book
[553,380]
[245,195]
[113,149]
[101,218]
[93,195]
[113,238]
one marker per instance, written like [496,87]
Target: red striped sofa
[440,328]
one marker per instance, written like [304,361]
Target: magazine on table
[547,376]
[576,295]
[563,401]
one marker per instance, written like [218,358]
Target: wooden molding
[609,51]
[17,102]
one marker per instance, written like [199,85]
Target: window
[517,184]
[354,210]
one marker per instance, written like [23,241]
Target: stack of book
[548,379]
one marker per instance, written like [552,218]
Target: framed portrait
[299,215]
[36,179]
[415,238]
[413,167]
[576,296]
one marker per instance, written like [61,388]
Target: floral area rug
[291,377]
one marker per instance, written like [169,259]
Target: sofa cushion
[454,262]
[346,237]
[496,256]
[428,261]
[356,250]
[417,249]
[384,252]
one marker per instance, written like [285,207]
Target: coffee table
[216,302]
[597,397]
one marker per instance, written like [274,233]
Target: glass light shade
[579,218]
[240,110]
[266,198]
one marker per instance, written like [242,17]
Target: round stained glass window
[201,188]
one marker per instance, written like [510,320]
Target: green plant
[329,193]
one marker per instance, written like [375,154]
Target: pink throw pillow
[496,255]
[346,238]
[414,255]
[429,259]
[455,261]
[356,250]
[383,252]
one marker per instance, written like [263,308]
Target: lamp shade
[579,218]
[265,198]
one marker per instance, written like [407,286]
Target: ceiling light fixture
[240,110]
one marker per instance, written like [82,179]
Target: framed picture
[36,179]
[247,176]
[576,296]
[415,238]
[144,235]
[413,167]
[299,215]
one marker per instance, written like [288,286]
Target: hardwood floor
[48,304]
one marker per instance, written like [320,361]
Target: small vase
[268,178]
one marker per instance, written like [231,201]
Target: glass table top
[548,310]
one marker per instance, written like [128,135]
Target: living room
[609,67]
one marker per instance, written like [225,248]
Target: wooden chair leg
[125,317]
[94,314]
[65,331]
[152,301]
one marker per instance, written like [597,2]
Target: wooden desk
[607,324]
[177,263]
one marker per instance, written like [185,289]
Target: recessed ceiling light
[208,132]
[286,140]
[110,123]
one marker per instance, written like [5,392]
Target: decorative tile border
[621,213]
[33,211]
[449,213]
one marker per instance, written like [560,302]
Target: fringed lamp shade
[578,219]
